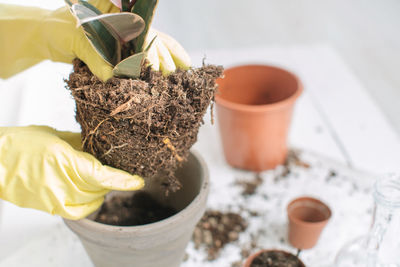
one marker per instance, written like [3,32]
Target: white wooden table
[336,123]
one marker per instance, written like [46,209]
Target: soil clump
[293,159]
[216,229]
[144,126]
[249,187]
[276,259]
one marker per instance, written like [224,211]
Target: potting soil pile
[216,229]
[144,126]
[139,209]
[275,259]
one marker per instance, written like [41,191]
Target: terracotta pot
[307,218]
[254,109]
[157,244]
[255,255]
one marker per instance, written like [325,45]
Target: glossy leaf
[123,26]
[130,67]
[125,5]
[69,2]
[145,9]
[150,44]
[97,33]
[90,6]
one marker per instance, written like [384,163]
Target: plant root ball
[144,126]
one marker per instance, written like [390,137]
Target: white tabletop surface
[336,122]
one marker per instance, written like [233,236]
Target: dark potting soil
[276,259]
[144,126]
[139,209]
[216,229]
[293,159]
[249,187]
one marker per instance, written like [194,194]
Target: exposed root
[144,126]
[172,148]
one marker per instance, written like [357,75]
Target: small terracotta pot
[250,259]
[254,109]
[161,243]
[307,218]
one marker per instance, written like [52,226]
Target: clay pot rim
[250,259]
[301,222]
[266,107]
[152,228]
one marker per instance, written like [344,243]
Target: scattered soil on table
[139,209]
[249,186]
[276,259]
[295,159]
[292,159]
[216,229]
[332,174]
[144,126]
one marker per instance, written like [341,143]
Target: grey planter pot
[160,244]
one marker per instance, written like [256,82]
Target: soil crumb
[216,229]
[293,159]
[139,209]
[144,126]
[249,187]
[276,259]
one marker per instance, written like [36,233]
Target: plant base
[144,126]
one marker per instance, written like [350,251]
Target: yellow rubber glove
[166,54]
[45,169]
[30,35]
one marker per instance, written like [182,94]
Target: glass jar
[381,246]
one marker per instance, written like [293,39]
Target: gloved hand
[30,35]
[166,54]
[45,169]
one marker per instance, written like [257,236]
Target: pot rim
[305,223]
[151,227]
[250,259]
[265,107]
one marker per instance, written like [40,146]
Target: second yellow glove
[30,35]
[44,169]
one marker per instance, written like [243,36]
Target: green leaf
[123,26]
[99,36]
[150,44]
[145,9]
[90,6]
[85,3]
[68,2]
[125,5]
[130,67]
